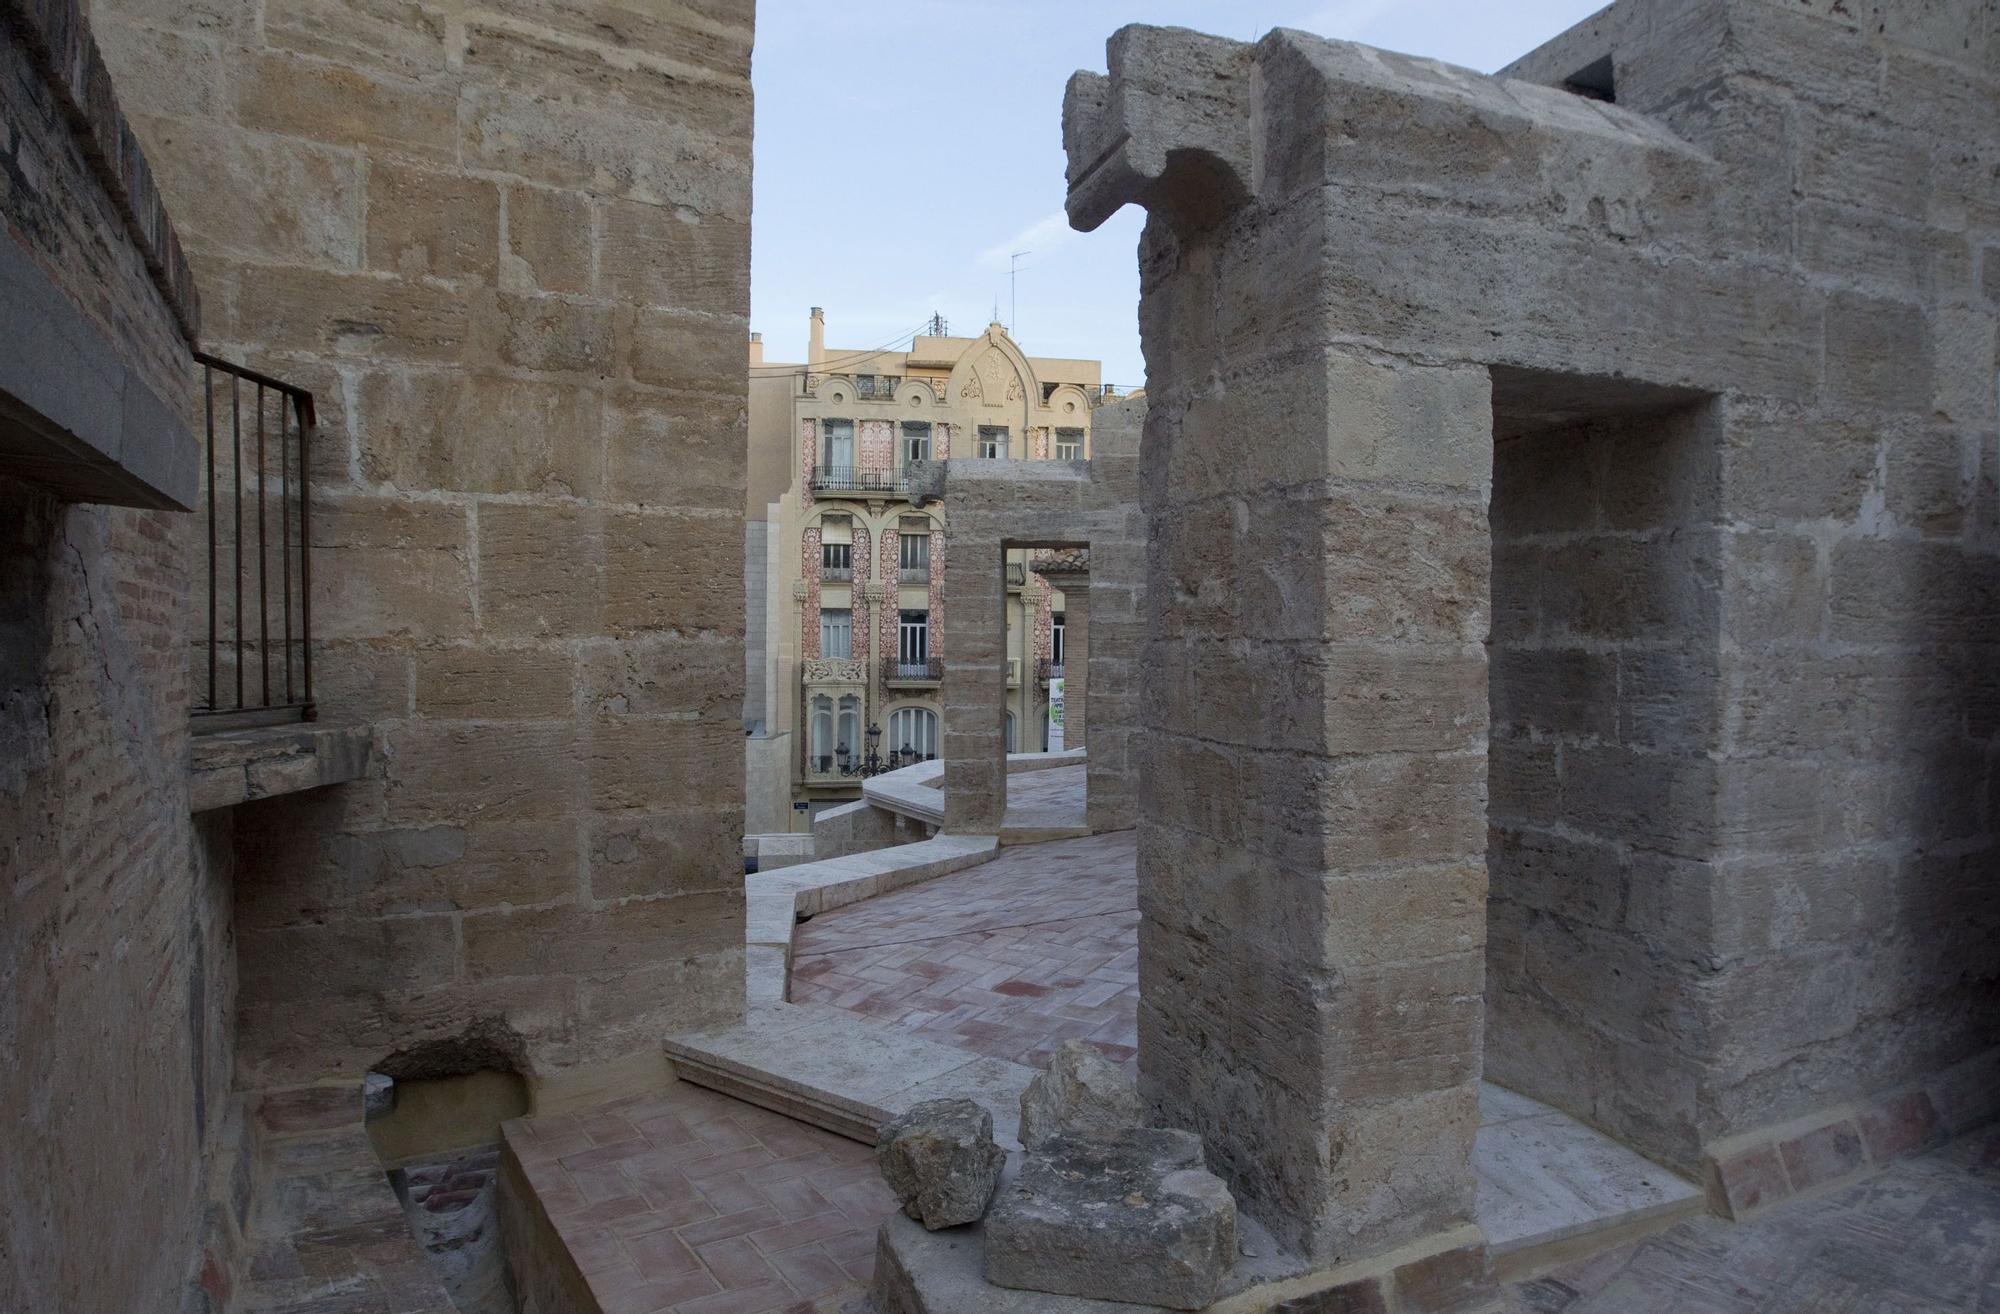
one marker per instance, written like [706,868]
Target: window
[913,644]
[822,735]
[1010,734]
[1069,444]
[993,442]
[913,734]
[839,455]
[1056,641]
[916,441]
[914,556]
[836,635]
[836,561]
[847,742]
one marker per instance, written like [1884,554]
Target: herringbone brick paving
[689,1202]
[1008,959]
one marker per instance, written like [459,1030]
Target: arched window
[847,743]
[1012,738]
[822,734]
[913,734]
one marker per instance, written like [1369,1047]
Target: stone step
[840,1071]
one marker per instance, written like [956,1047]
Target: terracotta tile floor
[1007,959]
[689,1202]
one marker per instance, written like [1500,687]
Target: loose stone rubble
[1132,1216]
[1082,1094]
[941,1161]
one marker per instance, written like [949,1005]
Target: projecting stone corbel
[1181,148]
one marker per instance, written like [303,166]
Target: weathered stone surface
[1082,1094]
[1134,1217]
[940,1159]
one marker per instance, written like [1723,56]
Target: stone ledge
[241,766]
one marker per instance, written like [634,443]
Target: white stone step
[840,1071]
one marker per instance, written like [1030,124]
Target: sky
[906,150]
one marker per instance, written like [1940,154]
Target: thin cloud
[1044,235]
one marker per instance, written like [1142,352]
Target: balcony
[899,674]
[1017,574]
[1046,670]
[849,479]
[1013,672]
[915,575]
[836,574]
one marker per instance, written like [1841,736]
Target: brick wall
[506,244]
[115,962]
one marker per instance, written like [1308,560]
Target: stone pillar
[974,690]
[1312,720]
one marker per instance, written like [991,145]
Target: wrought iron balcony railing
[897,671]
[848,479]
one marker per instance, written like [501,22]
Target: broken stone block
[940,1160]
[1083,1094]
[1133,1216]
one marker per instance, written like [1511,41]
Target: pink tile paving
[689,1202]
[1007,959]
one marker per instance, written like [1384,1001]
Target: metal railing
[895,669]
[1046,670]
[915,575]
[259,648]
[836,574]
[848,479]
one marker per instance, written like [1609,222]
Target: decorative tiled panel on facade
[890,573]
[937,598]
[1045,624]
[940,442]
[878,446]
[809,572]
[858,556]
[808,456]
[1042,443]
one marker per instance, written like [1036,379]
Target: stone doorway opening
[1602,695]
[1043,791]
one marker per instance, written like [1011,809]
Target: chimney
[756,349]
[816,343]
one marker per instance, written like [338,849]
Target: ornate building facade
[844,648]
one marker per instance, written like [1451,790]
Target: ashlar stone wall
[1688,402]
[506,244]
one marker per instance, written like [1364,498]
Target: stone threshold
[229,767]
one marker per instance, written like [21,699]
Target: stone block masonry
[506,244]
[1686,401]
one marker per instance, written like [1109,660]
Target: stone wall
[116,973]
[506,245]
[1605,710]
[1360,271]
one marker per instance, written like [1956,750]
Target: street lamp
[871,764]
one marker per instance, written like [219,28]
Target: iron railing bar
[244,372]
[208,403]
[236,477]
[308,421]
[285,525]
[263,562]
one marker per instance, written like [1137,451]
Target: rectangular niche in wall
[1603,690]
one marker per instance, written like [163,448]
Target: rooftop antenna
[938,327]
[1013,300]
